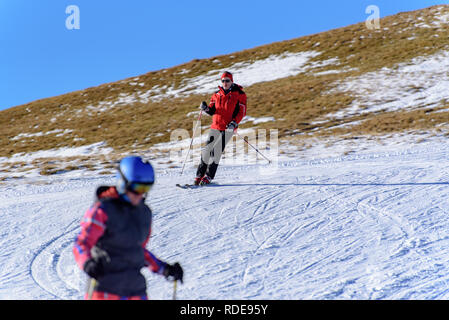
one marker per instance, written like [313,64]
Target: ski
[193,186]
[186,186]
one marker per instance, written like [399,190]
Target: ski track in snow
[371,226]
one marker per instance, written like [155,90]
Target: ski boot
[205,180]
[197,181]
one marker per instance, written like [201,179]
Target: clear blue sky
[40,57]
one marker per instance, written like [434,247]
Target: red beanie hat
[227,74]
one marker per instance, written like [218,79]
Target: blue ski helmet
[133,170]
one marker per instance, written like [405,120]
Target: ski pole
[175,285]
[90,291]
[191,142]
[257,150]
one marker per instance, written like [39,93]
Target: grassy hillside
[302,105]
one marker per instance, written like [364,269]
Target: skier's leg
[202,167]
[207,153]
[212,170]
[225,137]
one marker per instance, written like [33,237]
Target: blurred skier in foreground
[111,247]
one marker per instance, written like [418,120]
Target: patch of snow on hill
[249,73]
[65,152]
[58,132]
[245,73]
[421,83]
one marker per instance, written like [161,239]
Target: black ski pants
[212,151]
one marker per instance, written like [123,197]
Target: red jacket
[227,107]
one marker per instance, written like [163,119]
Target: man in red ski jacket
[227,108]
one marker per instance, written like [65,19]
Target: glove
[93,268]
[175,271]
[232,125]
[210,110]
[204,107]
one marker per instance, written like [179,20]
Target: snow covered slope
[371,225]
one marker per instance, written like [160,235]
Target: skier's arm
[153,263]
[92,228]
[241,107]
[173,272]
[212,108]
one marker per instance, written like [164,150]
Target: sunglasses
[139,188]
[226,80]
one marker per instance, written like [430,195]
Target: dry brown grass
[296,102]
